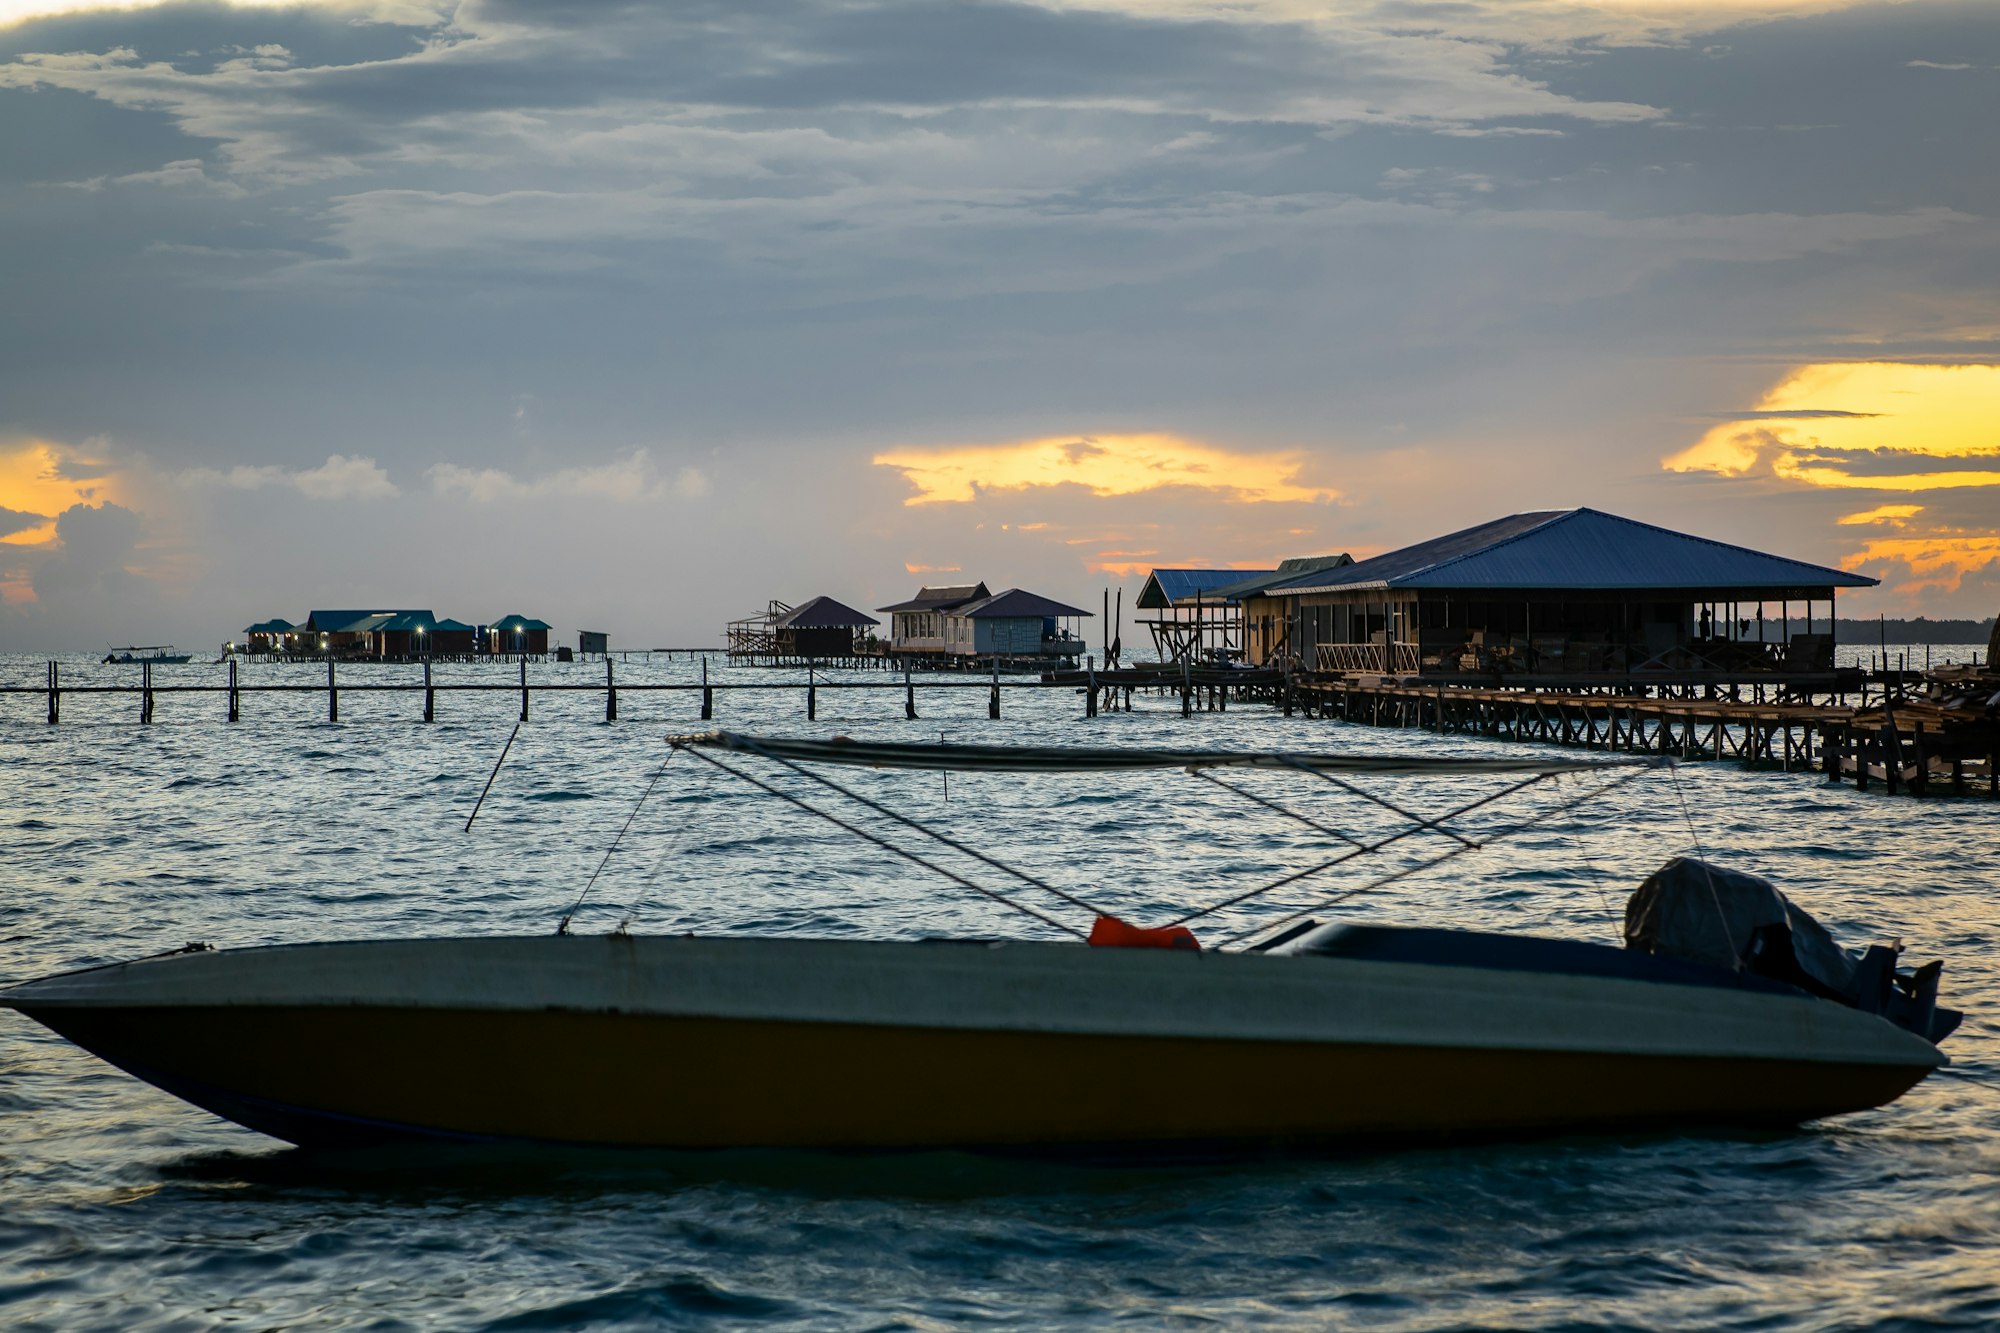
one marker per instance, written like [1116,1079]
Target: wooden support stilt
[993,697]
[707,694]
[430,696]
[146,692]
[55,696]
[610,693]
[909,693]
[235,702]
[1090,683]
[332,694]
[812,694]
[524,687]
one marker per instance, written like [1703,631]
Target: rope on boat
[490,776]
[886,845]
[1386,803]
[1701,857]
[562,926]
[1596,880]
[953,843]
[1268,804]
[1364,849]
[1539,818]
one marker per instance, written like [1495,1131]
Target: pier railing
[1382,659]
[1199,689]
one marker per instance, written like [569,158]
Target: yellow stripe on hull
[312,1073]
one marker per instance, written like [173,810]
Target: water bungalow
[269,636]
[1572,596]
[917,626]
[353,633]
[1194,619]
[1014,623]
[823,628]
[518,635]
[450,638]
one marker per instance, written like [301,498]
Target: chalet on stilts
[1569,596]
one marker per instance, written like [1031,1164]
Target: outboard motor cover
[1702,913]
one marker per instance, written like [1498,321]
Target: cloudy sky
[633,316]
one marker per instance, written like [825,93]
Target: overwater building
[1559,595]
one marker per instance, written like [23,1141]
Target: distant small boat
[159,654]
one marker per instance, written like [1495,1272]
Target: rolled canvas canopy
[1087,759]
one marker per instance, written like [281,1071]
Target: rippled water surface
[121,1208]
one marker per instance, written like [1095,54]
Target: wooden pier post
[524,687]
[1288,687]
[707,695]
[1090,687]
[610,693]
[1187,690]
[993,696]
[55,696]
[235,701]
[332,695]
[909,692]
[145,691]
[430,696]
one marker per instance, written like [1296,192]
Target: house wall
[917,631]
[1007,636]
[817,641]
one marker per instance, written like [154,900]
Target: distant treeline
[1922,629]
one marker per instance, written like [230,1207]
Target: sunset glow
[1105,465]
[1864,426]
[35,489]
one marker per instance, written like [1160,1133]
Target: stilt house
[1569,595]
[918,625]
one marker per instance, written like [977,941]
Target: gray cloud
[96,543]
[752,243]
[17,520]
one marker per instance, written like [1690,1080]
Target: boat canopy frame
[800,756]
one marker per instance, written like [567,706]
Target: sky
[634,317]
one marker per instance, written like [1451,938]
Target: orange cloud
[1939,562]
[1865,425]
[1893,516]
[34,489]
[1105,465]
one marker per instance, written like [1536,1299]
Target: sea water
[121,1208]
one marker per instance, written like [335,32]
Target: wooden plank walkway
[1891,746]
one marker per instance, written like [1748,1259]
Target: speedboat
[158,654]
[1728,1006]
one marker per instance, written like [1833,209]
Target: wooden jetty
[1946,742]
[1916,746]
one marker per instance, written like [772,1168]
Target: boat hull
[822,1044]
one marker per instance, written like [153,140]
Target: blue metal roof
[1579,549]
[357,622]
[1166,588]
[1016,603]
